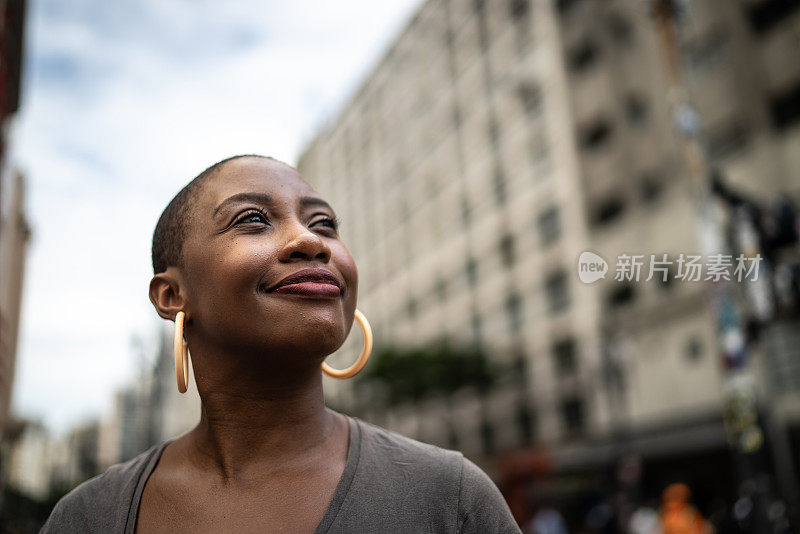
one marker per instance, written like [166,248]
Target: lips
[316,276]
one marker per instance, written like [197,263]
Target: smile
[310,289]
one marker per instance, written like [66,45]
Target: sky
[123,103]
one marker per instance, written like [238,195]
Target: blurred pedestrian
[645,520]
[547,520]
[678,516]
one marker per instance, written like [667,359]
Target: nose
[304,244]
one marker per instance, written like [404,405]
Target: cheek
[345,262]
[347,266]
[230,271]
[230,311]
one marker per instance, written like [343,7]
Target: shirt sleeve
[68,515]
[481,507]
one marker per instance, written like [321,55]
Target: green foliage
[413,374]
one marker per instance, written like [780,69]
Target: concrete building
[143,413]
[14,236]
[14,230]
[497,140]
[27,466]
[148,410]
[173,412]
[38,464]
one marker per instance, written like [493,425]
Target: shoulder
[101,504]
[482,507]
[404,461]
[399,485]
[394,447]
[426,477]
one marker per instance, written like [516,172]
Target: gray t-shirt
[390,483]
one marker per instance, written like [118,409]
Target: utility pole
[745,434]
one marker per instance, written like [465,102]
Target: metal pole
[745,433]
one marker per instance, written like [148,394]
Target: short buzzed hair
[172,226]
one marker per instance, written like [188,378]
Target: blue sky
[123,103]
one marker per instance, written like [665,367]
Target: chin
[315,342]
[327,344]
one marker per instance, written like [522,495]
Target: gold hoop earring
[365,352]
[181,354]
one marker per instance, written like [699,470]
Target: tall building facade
[150,409]
[495,142]
[14,229]
[14,237]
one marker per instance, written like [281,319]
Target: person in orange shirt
[678,516]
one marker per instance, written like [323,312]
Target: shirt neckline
[342,488]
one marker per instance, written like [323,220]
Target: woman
[249,263]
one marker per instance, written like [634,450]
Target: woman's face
[253,224]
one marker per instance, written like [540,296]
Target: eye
[331,222]
[251,216]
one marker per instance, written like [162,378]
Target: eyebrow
[314,201]
[261,198]
[266,198]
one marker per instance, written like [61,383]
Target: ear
[167,293]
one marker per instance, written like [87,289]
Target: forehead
[254,175]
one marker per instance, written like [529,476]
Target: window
[466,211]
[607,211]
[694,349]
[472,271]
[494,130]
[441,288]
[572,411]
[450,37]
[525,422]
[514,311]
[728,138]
[707,50]
[499,182]
[487,436]
[785,108]
[519,9]
[564,359]
[564,6]
[549,225]
[531,96]
[411,307]
[557,291]
[483,33]
[456,117]
[520,365]
[583,55]
[539,151]
[506,247]
[621,29]
[596,134]
[477,328]
[621,295]
[665,283]
[764,15]
[635,109]
[650,188]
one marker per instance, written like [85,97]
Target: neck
[252,425]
